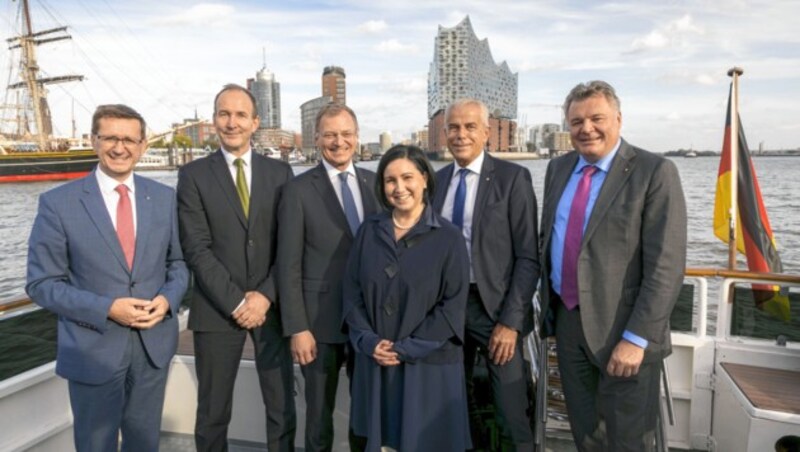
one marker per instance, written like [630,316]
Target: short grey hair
[583,91]
[467,101]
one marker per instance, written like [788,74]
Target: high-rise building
[386,141]
[463,67]
[333,84]
[267,92]
[308,115]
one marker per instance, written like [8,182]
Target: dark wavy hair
[418,158]
[583,91]
[117,111]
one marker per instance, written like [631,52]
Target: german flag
[753,233]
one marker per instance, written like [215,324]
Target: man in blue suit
[104,255]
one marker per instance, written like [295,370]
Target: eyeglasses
[110,141]
[331,136]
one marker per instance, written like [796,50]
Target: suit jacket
[76,268]
[505,253]
[633,253]
[314,242]
[229,253]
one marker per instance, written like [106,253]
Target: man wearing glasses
[319,214]
[104,255]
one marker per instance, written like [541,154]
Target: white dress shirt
[472,179]
[352,182]
[108,187]
[247,157]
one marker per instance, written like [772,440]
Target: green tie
[241,186]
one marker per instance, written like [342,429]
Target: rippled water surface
[779,178]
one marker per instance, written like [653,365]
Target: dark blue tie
[350,210]
[460,199]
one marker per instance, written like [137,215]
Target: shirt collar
[603,164]
[247,157]
[108,184]
[332,172]
[474,166]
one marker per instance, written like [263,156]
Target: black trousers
[321,380]
[605,413]
[217,357]
[509,382]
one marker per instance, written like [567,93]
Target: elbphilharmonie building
[463,67]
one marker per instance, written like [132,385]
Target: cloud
[373,26]
[675,34]
[395,46]
[203,14]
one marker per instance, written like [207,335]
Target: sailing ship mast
[36,99]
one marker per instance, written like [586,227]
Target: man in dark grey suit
[493,202]
[614,251]
[319,214]
[227,207]
[105,256]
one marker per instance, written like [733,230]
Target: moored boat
[29,152]
[42,166]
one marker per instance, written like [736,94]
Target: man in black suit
[493,202]
[610,278]
[319,214]
[227,209]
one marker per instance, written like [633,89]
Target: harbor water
[778,177]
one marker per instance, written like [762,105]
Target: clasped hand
[138,313]
[385,355]
[253,312]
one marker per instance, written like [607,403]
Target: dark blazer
[228,253]
[505,253]
[314,240]
[76,268]
[633,253]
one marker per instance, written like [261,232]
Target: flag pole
[734,72]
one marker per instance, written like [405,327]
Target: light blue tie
[460,199]
[350,210]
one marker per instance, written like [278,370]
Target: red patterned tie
[573,238]
[125,224]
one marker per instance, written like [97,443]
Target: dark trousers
[130,403]
[217,357]
[321,380]
[509,382]
[605,413]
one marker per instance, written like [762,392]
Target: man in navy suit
[105,256]
[493,202]
[319,214]
[227,208]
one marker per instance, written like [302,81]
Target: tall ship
[28,149]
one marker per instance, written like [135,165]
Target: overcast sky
[667,59]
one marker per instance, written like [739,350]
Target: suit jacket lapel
[560,177]
[367,194]
[485,182]
[259,182]
[618,174]
[442,183]
[322,184]
[92,201]
[144,214]
[223,176]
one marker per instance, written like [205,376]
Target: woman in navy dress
[405,295]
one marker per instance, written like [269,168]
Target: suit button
[133,284]
[251,242]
